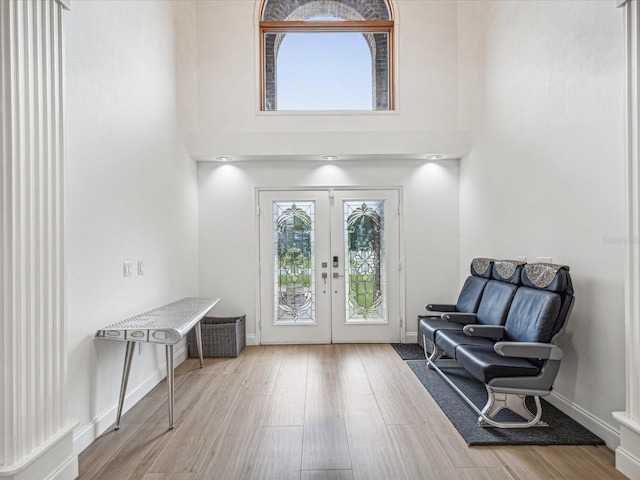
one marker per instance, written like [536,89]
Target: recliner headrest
[482,267]
[508,271]
[548,276]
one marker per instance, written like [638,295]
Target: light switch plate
[140,267]
[127,268]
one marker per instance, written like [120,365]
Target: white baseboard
[410,337]
[53,460]
[627,463]
[68,471]
[606,432]
[628,453]
[102,422]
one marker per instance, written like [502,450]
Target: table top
[167,324]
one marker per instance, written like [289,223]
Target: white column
[628,453]
[36,439]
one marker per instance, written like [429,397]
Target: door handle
[337,275]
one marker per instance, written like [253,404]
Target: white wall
[541,89]
[229,234]
[228,79]
[131,192]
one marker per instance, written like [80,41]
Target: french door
[329,266]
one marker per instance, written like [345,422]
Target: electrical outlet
[140,267]
[544,259]
[127,268]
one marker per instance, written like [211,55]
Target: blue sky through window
[324,71]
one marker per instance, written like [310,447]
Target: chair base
[496,400]
[434,354]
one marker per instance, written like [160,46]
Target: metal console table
[165,325]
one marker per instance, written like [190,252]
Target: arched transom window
[326,55]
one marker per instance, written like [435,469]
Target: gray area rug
[562,430]
[409,351]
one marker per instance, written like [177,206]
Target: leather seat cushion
[485,364]
[448,340]
[430,326]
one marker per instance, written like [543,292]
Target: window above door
[319,55]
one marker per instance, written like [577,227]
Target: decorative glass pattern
[293,237]
[365,274]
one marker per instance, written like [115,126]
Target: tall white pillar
[628,453]
[36,439]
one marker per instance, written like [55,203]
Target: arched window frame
[342,26]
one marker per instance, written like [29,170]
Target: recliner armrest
[488,331]
[544,351]
[439,307]
[459,317]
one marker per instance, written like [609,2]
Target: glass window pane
[324,71]
[365,275]
[294,246]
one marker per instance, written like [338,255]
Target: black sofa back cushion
[532,316]
[553,278]
[469,297]
[495,302]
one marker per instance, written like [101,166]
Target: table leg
[199,342]
[125,379]
[170,383]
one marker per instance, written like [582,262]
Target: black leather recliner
[520,358]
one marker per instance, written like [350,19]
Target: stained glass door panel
[294,261]
[365,262]
[294,296]
[365,234]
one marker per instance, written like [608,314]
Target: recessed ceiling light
[223,158]
[433,156]
[330,157]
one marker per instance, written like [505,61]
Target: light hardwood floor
[326,412]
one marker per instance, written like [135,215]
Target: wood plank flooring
[303,412]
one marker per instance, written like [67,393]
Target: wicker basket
[221,337]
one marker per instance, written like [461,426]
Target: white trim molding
[628,453]
[37,438]
[66,4]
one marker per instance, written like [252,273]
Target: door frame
[327,188]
